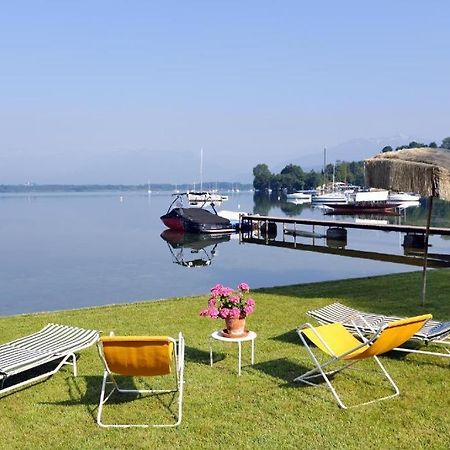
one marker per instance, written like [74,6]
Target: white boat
[405,205]
[197,198]
[372,195]
[403,197]
[299,196]
[331,197]
[233,216]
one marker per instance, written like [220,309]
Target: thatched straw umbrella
[422,170]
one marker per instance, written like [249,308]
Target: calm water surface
[69,251]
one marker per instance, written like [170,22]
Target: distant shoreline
[37,188]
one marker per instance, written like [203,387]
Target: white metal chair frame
[32,355]
[354,326]
[445,341]
[178,354]
[319,369]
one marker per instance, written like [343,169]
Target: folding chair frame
[64,361]
[51,344]
[178,353]
[351,324]
[445,341]
[319,369]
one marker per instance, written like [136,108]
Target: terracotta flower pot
[235,327]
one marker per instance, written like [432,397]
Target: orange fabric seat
[138,355]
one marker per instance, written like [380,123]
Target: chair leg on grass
[318,371]
[104,398]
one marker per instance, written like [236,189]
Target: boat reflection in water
[192,249]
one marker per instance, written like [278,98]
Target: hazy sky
[109,91]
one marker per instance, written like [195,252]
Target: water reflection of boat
[297,201]
[191,249]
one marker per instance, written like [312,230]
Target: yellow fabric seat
[144,356]
[334,340]
[338,343]
[138,355]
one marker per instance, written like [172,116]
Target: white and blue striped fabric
[369,322]
[48,344]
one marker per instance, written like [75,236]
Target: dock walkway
[343,224]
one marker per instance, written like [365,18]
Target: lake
[72,250]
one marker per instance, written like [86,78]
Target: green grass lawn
[260,409]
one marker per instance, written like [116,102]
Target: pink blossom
[216,290]
[248,309]
[250,302]
[213,313]
[244,287]
[224,302]
[225,291]
[235,299]
[234,313]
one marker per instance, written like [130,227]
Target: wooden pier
[263,230]
[259,220]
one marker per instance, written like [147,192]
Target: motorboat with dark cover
[195,220]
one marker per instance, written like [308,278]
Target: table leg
[210,353]
[253,352]
[239,358]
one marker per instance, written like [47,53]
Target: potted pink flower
[233,306]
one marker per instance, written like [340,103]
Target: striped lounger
[54,343]
[361,322]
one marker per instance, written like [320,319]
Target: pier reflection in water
[192,249]
[334,242]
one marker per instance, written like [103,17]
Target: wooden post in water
[425,254]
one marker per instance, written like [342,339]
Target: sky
[129,92]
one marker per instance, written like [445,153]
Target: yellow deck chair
[336,341]
[143,356]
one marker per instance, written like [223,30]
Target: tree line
[413,144]
[294,178]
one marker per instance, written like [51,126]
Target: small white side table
[217,335]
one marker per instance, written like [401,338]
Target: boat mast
[334,174]
[324,167]
[201,170]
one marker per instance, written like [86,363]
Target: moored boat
[195,220]
[365,202]
[403,197]
[201,198]
[304,196]
[332,197]
[363,208]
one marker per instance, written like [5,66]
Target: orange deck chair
[143,356]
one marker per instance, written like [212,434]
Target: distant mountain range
[356,149]
[140,166]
